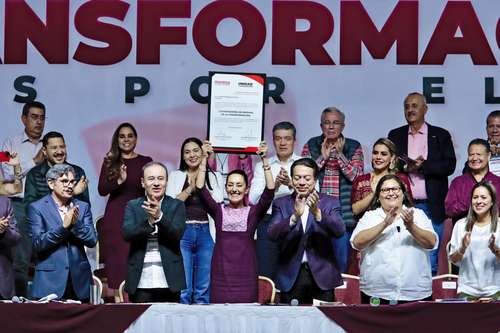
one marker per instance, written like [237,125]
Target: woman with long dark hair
[197,243]
[475,245]
[120,178]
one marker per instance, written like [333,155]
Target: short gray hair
[147,165]
[59,170]
[332,109]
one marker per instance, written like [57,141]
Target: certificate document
[236,111]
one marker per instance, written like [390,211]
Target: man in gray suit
[154,225]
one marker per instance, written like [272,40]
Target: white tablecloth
[234,318]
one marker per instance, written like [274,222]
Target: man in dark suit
[9,236]
[305,223]
[60,228]
[426,153]
[154,226]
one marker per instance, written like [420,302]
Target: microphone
[294,302]
[47,298]
[398,228]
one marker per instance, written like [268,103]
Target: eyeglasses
[335,123]
[390,189]
[36,117]
[67,182]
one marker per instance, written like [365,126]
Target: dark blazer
[316,241]
[440,163]
[8,239]
[136,229]
[59,250]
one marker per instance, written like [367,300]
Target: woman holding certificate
[233,276]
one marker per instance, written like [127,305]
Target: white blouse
[395,266]
[479,274]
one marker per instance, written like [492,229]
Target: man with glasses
[61,226]
[340,161]
[36,187]
[28,146]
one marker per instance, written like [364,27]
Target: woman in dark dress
[233,276]
[120,179]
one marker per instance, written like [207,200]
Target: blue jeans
[196,247]
[342,248]
[438,228]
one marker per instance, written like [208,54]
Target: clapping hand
[123,174]
[282,178]
[312,201]
[326,148]
[153,209]
[407,217]
[465,242]
[390,216]
[4,223]
[492,246]
[71,216]
[339,144]
[81,186]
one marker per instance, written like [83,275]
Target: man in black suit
[154,225]
[426,153]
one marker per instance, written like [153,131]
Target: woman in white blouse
[395,241]
[475,246]
[197,243]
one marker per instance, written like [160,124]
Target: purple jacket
[7,240]
[458,199]
[316,241]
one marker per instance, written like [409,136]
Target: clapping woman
[395,241]
[120,178]
[363,187]
[196,244]
[475,245]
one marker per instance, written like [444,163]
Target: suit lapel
[404,139]
[51,208]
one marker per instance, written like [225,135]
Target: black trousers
[155,295]
[23,250]
[69,292]
[305,289]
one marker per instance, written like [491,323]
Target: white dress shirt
[153,274]
[479,273]
[259,181]
[26,150]
[395,266]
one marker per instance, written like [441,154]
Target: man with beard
[54,150]
[305,223]
[28,146]
[61,226]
